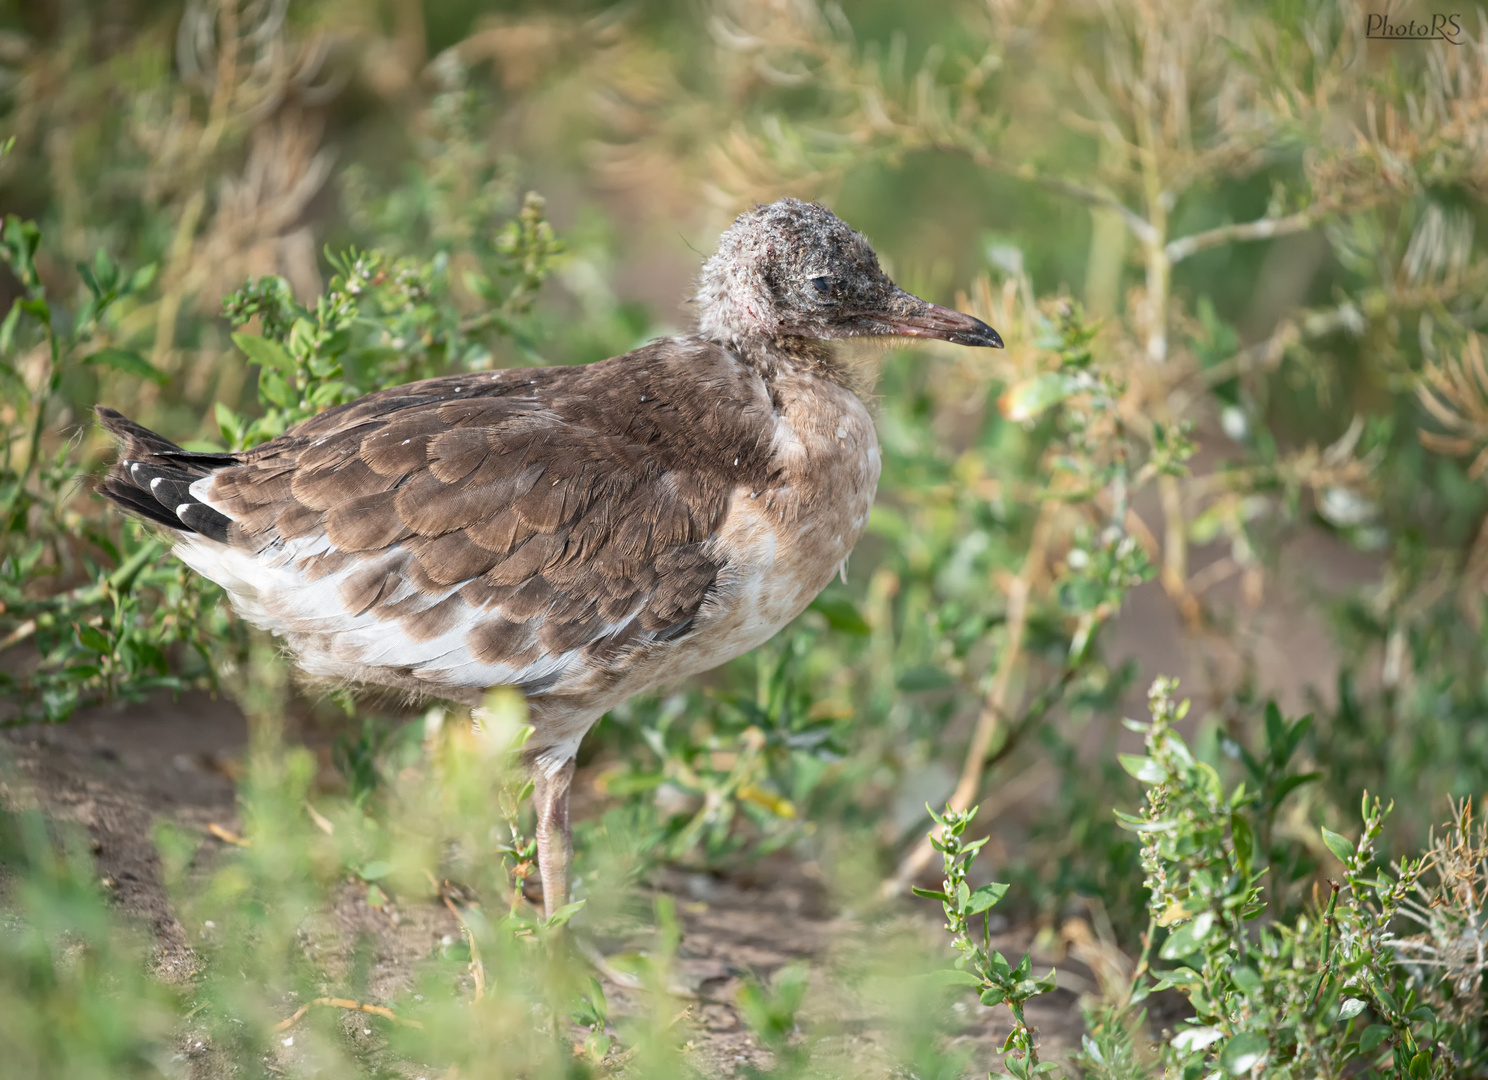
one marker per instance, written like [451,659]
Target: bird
[581,533]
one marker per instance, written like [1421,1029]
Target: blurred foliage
[1237,255]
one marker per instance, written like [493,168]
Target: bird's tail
[153,478]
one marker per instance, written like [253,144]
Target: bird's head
[794,269]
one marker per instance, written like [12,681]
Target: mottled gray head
[794,269]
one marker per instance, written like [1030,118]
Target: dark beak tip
[983,337]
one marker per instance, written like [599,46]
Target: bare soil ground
[117,771]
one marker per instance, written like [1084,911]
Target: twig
[1327,934]
[993,709]
[344,1003]
[477,969]
[227,836]
[1175,552]
[19,634]
[1261,229]
[601,964]
[322,822]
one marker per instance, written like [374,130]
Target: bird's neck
[781,361]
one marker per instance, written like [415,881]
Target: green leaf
[8,327]
[1349,1008]
[952,977]
[1210,779]
[1188,938]
[129,362]
[1382,992]
[994,996]
[923,677]
[1420,1066]
[377,868]
[105,271]
[1374,1035]
[1244,1052]
[86,273]
[273,388]
[985,897]
[1287,784]
[302,336]
[92,638]
[21,240]
[38,309]
[1137,825]
[1276,729]
[1143,768]
[1092,1050]
[1341,847]
[326,393]
[563,914]
[229,423]
[1192,1040]
[143,277]
[930,894]
[1246,979]
[262,351]
[1243,838]
[841,615]
[1294,736]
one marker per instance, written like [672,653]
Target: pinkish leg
[554,833]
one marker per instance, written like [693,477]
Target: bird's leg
[554,832]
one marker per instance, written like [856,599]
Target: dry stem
[344,1003]
[994,708]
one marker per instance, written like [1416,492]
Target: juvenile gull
[580,533]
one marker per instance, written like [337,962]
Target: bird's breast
[781,543]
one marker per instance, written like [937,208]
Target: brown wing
[514,526]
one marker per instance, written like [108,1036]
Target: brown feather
[395,452]
[370,585]
[527,560]
[559,637]
[436,619]
[369,523]
[330,486]
[500,533]
[456,454]
[452,558]
[295,521]
[498,641]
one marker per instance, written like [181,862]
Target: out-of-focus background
[1238,255]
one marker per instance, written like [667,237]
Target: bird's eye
[822,285]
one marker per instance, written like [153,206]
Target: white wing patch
[279,590]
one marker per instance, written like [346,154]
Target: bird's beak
[909,316]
